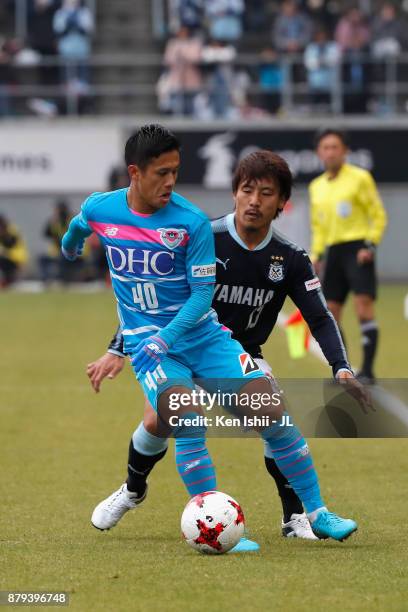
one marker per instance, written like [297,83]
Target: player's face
[332,152]
[155,183]
[257,203]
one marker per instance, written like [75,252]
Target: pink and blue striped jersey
[153,259]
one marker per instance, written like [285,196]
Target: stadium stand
[122,30]
[125,73]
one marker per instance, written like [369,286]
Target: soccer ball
[212,523]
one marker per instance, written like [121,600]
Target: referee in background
[348,221]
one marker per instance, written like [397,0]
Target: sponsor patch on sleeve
[203,271]
[313,283]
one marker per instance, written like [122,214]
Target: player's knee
[364,307]
[190,425]
[180,413]
[263,398]
[150,421]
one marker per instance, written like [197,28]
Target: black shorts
[342,273]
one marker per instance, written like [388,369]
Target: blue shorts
[211,355]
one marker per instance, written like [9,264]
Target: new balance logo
[111,231]
[189,466]
[304,451]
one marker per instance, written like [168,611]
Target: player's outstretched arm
[73,240]
[150,351]
[200,272]
[110,364]
[116,345]
[306,293]
[325,331]
[107,366]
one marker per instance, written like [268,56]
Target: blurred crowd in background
[202,57]
[55,28]
[317,43]
[52,267]
[220,59]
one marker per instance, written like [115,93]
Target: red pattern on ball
[209,535]
[199,499]
[240,515]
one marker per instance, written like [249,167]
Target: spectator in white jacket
[73,25]
[224,18]
[321,58]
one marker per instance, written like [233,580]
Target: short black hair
[149,141]
[264,164]
[341,134]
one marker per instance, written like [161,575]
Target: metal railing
[383,83]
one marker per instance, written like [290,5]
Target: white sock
[312,516]
[130,494]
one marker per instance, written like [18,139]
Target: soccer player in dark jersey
[348,222]
[257,268]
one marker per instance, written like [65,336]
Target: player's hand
[356,389]
[365,256]
[107,366]
[72,254]
[149,353]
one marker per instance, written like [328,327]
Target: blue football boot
[329,525]
[245,545]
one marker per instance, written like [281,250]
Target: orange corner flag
[298,335]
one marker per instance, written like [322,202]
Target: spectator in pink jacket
[182,58]
[352,31]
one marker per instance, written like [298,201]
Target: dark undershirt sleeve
[116,344]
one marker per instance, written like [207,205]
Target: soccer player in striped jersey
[160,251]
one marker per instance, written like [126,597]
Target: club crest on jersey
[275,273]
[171,237]
[248,365]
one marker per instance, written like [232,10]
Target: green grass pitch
[63,449]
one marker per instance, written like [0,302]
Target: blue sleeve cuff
[77,231]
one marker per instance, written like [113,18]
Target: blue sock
[194,465]
[193,461]
[291,453]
